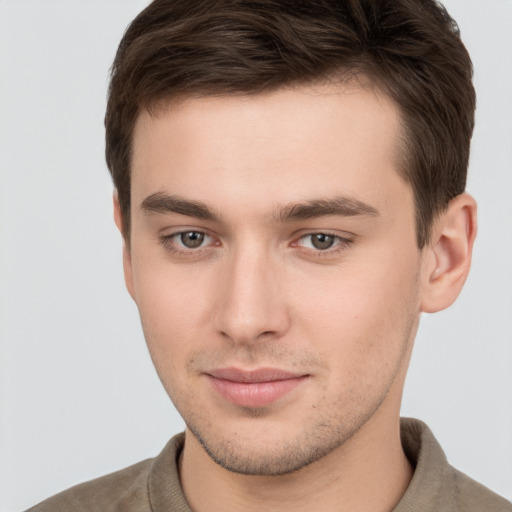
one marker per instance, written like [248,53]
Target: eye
[186,241]
[319,241]
[323,242]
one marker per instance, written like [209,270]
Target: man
[290,188]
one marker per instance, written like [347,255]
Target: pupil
[322,241]
[192,239]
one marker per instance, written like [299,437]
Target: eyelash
[167,242]
[342,244]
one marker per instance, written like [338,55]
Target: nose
[251,303]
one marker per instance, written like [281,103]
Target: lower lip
[255,394]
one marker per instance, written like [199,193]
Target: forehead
[281,146]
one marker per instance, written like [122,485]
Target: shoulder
[436,485]
[133,489]
[472,496]
[123,490]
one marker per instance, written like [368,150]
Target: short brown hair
[409,49]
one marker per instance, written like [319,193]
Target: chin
[281,452]
[269,461]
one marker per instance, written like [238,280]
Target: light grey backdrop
[79,396]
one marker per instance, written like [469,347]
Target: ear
[447,259]
[127,257]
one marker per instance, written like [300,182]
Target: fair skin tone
[274,263]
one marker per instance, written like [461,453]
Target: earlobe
[447,259]
[127,259]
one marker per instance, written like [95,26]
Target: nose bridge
[251,302]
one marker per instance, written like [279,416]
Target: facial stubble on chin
[290,457]
[230,452]
[322,437]
[227,453]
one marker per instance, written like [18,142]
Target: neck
[369,472]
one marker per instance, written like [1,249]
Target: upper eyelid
[165,239]
[170,236]
[166,234]
[325,232]
[344,237]
[341,240]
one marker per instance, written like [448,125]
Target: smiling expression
[274,263]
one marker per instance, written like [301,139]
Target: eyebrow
[338,206]
[161,202]
[164,203]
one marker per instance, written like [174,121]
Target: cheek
[172,304]
[169,316]
[365,313]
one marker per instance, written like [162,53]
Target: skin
[257,293]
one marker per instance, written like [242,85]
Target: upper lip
[252,376]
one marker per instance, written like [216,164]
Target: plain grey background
[79,396]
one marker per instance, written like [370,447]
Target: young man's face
[274,263]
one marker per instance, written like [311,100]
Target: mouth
[254,388]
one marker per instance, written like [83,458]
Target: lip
[254,388]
